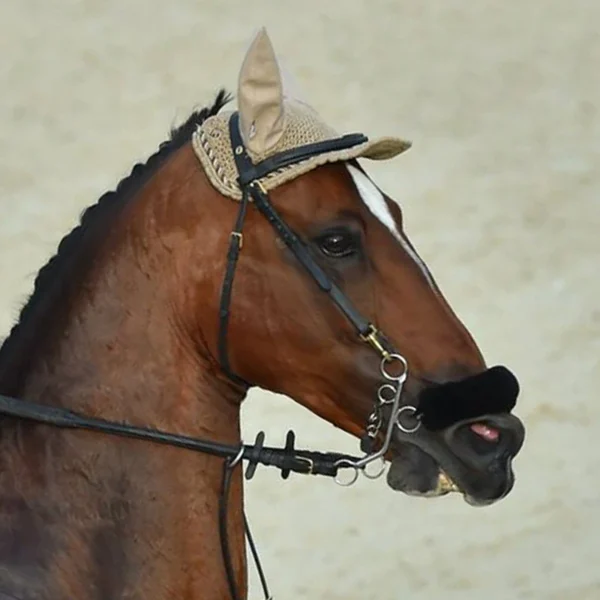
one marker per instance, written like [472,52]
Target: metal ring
[237,458]
[375,416]
[399,378]
[382,399]
[375,474]
[346,464]
[412,410]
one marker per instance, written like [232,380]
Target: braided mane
[53,277]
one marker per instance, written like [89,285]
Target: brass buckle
[239,236]
[260,186]
[371,338]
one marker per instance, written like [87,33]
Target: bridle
[388,395]
[393,366]
[249,176]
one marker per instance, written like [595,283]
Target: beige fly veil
[272,122]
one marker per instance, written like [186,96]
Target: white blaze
[375,202]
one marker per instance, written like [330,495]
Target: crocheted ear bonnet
[272,122]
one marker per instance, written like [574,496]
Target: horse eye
[338,244]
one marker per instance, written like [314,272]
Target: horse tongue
[490,434]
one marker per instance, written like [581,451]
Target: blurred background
[500,196]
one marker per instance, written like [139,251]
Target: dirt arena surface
[501,197]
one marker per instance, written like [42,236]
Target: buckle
[372,338]
[239,236]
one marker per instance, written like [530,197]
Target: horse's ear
[260,96]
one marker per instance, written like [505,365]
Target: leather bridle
[249,176]
[393,366]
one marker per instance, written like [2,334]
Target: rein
[287,460]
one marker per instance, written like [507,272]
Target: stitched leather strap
[249,173]
[235,245]
[303,255]
[248,176]
[295,155]
[286,459]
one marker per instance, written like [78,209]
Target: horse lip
[444,484]
[477,501]
[480,502]
[451,480]
[409,474]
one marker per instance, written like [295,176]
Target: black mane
[50,279]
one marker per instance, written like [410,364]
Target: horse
[252,249]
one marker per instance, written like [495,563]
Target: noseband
[393,367]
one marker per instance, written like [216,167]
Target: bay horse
[251,250]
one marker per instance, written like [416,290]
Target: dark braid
[47,281]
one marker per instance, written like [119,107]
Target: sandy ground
[500,194]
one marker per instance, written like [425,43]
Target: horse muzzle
[458,450]
[480,455]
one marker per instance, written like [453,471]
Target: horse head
[452,429]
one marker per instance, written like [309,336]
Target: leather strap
[261,201]
[235,245]
[248,175]
[286,459]
[295,155]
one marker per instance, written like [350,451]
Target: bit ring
[349,465]
[375,474]
[412,410]
[381,397]
[398,378]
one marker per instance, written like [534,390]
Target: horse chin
[416,473]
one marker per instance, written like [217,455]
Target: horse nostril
[491,434]
[487,441]
[480,444]
[484,439]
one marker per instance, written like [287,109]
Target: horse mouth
[473,458]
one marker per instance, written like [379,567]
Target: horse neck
[116,513]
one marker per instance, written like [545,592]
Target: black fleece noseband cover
[491,392]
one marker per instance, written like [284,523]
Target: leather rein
[394,368]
